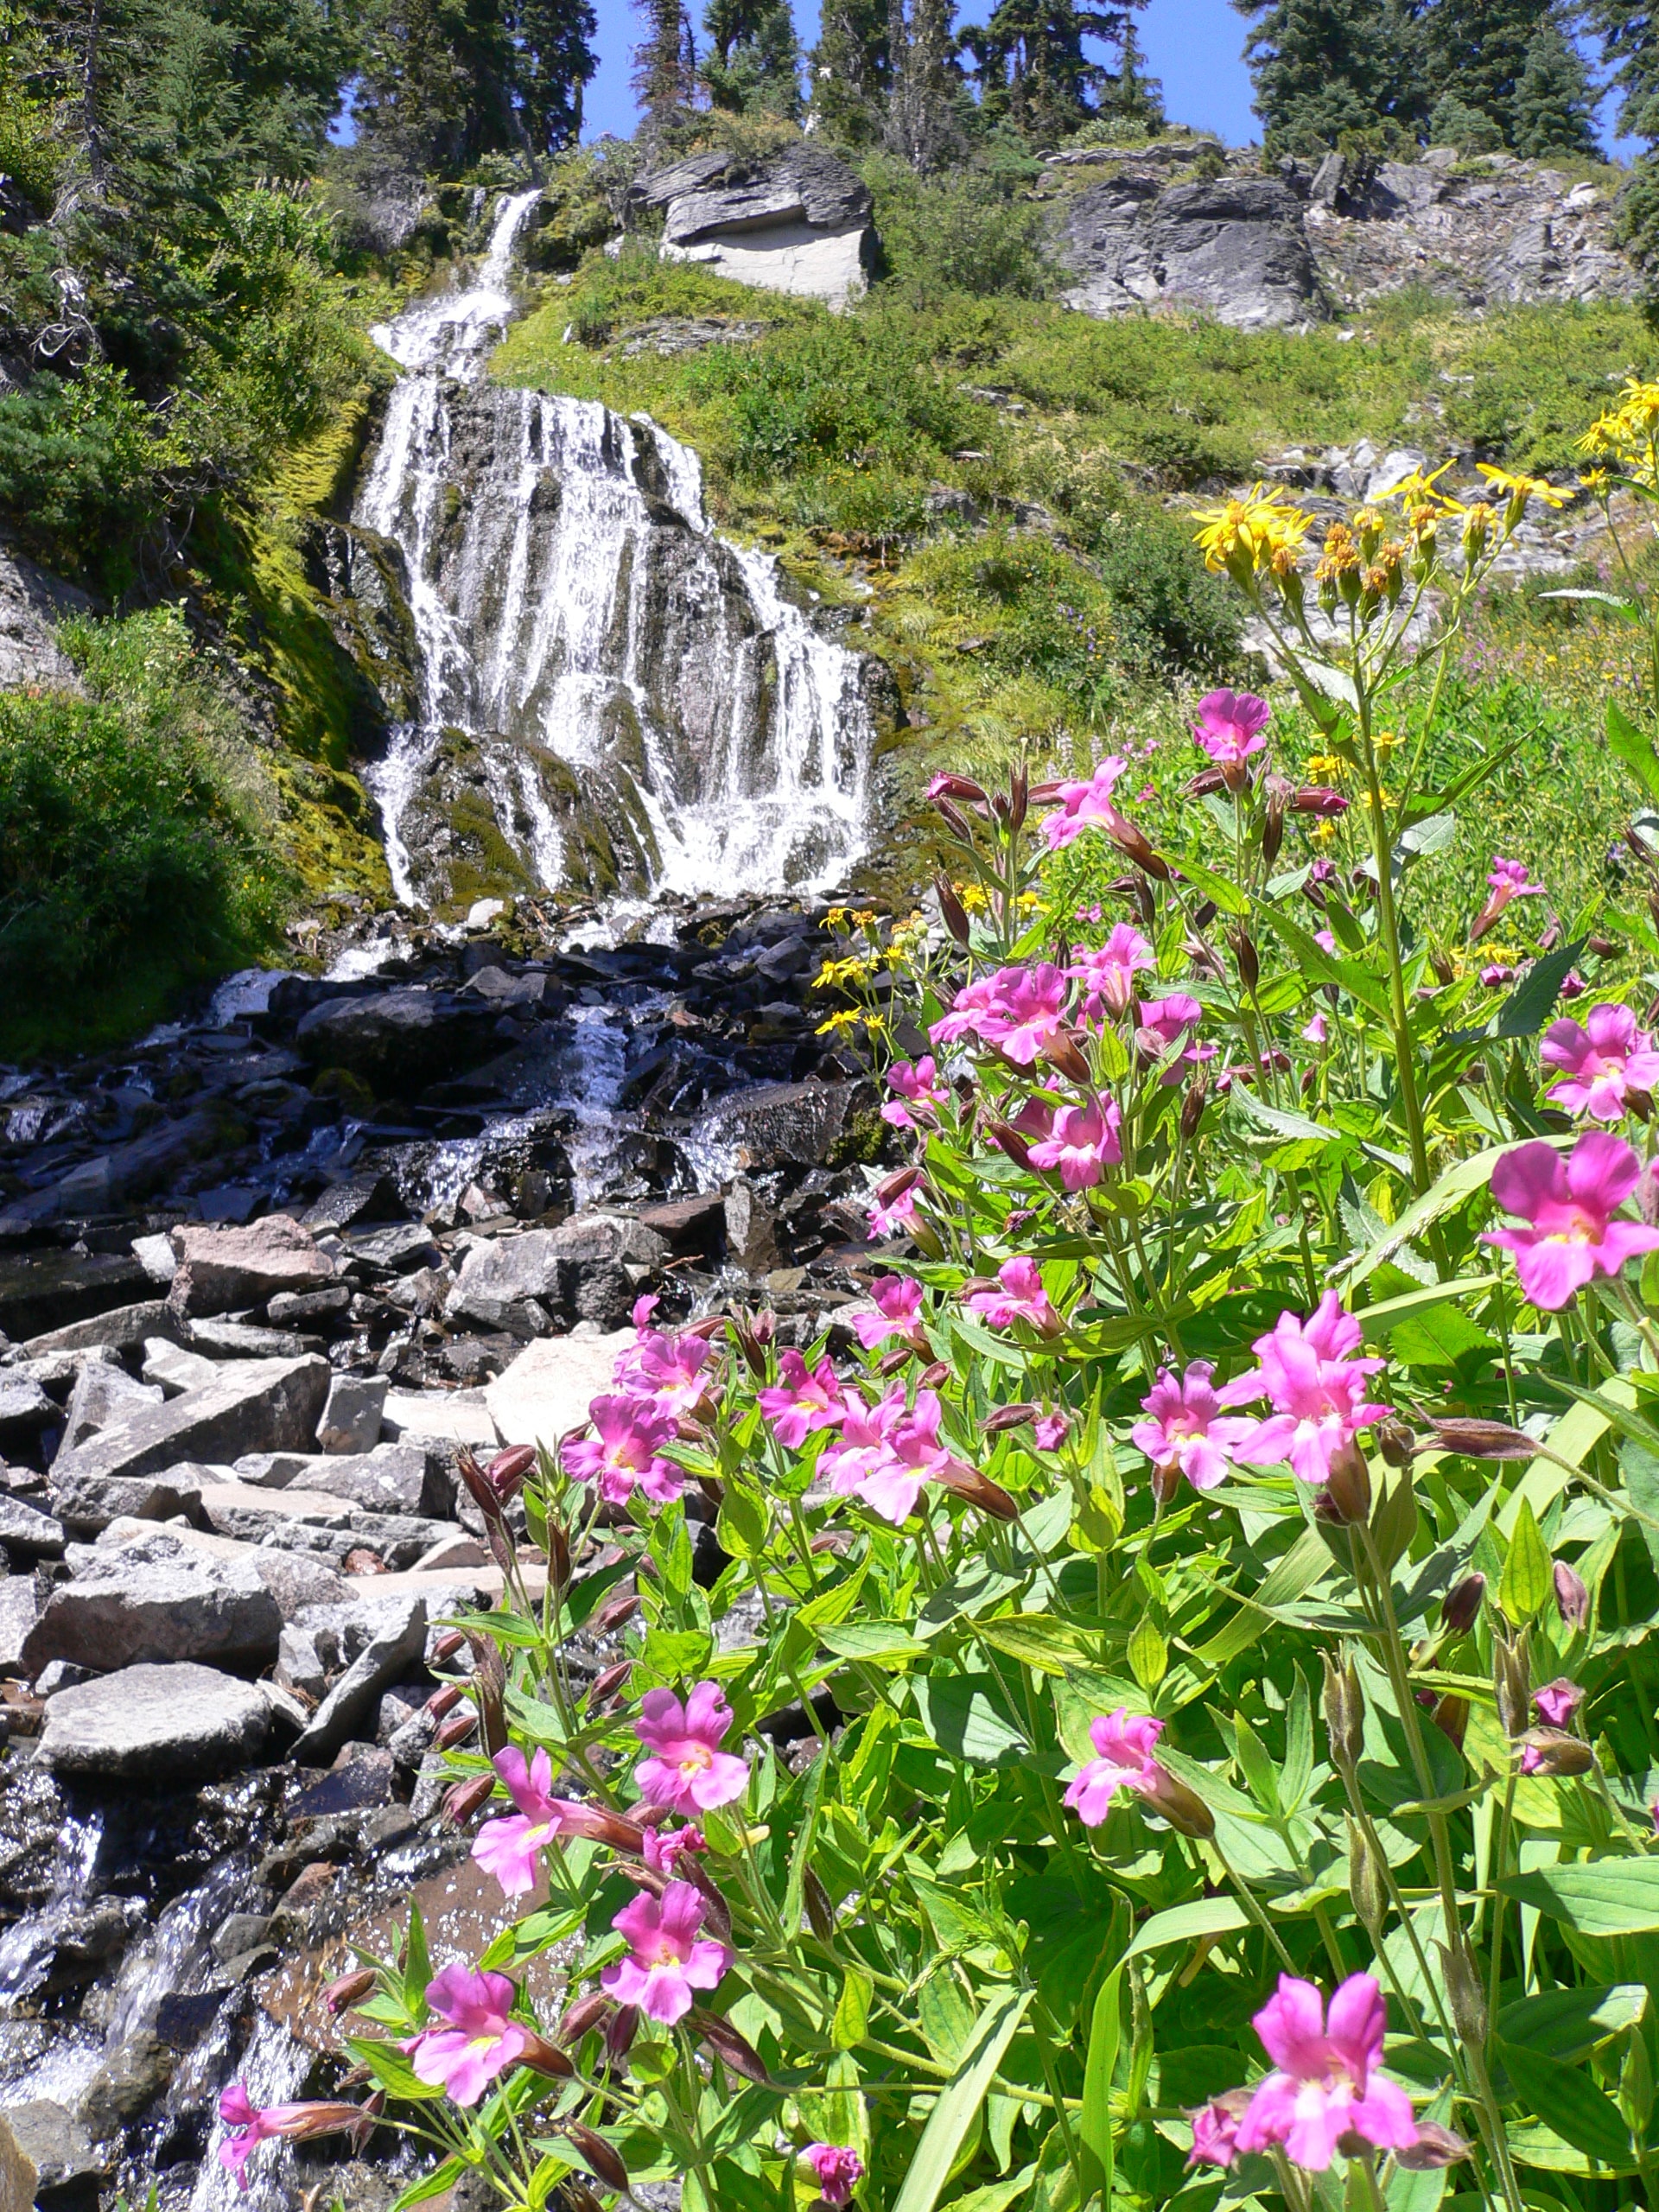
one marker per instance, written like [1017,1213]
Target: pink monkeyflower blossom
[1569,1207]
[1601,1062]
[1327,941]
[1020,1297]
[1049,1431]
[1215,2130]
[1017,1010]
[663,1851]
[1082,1143]
[1124,1744]
[626,1452]
[480,2041]
[1080,803]
[1572,985]
[1326,2085]
[246,2126]
[1558,1701]
[896,1215]
[1107,972]
[1316,1389]
[1508,880]
[667,1958]
[510,1848]
[1185,1426]
[899,1314]
[862,1446]
[803,1400]
[837,2171]
[1229,725]
[687,1770]
[920,1094]
[667,1371]
[1315,1032]
[1494,975]
[1163,1024]
[889,1453]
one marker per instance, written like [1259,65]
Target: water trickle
[573,610]
[27,1948]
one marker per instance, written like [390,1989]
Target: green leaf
[1607,1896]
[1567,2025]
[965,1715]
[1429,834]
[1532,1001]
[1278,1123]
[1627,743]
[1227,896]
[852,2014]
[884,1643]
[741,1525]
[1148,1654]
[959,2102]
[1458,1183]
[442,2179]
[417,1965]
[1257,1768]
[1189,1923]
[1039,1640]
[1318,966]
[1094,2118]
[1526,1581]
[1565,2099]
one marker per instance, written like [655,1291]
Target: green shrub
[133,857]
[1044,614]
[1172,617]
[969,232]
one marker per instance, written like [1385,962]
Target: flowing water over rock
[612,695]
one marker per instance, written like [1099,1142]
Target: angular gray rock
[391,1478]
[396,1040]
[395,1642]
[174,1368]
[1233,247]
[25,1528]
[104,1395]
[797,220]
[258,1405]
[122,1329]
[351,1419]
[20,1608]
[157,1600]
[32,604]
[774,1124]
[25,1410]
[221,1270]
[153,1724]
[87,1503]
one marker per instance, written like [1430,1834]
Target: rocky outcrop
[798,220]
[1232,247]
[32,604]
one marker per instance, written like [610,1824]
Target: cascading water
[640,702]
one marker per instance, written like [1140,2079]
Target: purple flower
[1184,1428]
[1018,1010]
[626,1452]
[898,1307]
[1048,1431]
[667,1956]
[668,1372]
[1571,1235]
[1558,1701]
[1124,1744]
[687,1770]
[480,2041]
[920,1093]
[1508,880]
[510,1848]
[1316,1389]
[1107,972]
[838,2171]
[1082,1144]
[1020,1296]
[1163,1026]
[1229,725]
[246,2126]
[1601,1063]
[1325,2086]
[1080,803]
[664,1850]
[805,1400]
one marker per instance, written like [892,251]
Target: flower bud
[1009,1141]
[1511,1687]
[1204,914]
[1344,1713]
[820,1913]
[1435,2147]
[1464,1995]
[444,1701]
[1483,1439]
[466,1797]
[1184,1809]
[1394,1442]
[951,908]
[558,1559]
[1199,787]
[458,1727]
[1061,1051]
[1451,1717]
[621,1605]
[587,2013]
[1134,841]
[1571,1597]
[1192,1106]
[978,1490]
[1008,1417]
[1250,965]
[447,1644]
[1460,1607]
[606,1685]
[950,787]
[1273,827]
[543,2057]
[1445,972]
[603,2159]
[955,821]
[620,2030]
[734,2051]
[1346,1497]
[1318,799]
[931,1377]
[340,1996]
[1366,1883]
[1019,799]
[505,1473]
[1552,1752]
[1603,947]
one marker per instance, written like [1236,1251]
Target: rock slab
[155,1723]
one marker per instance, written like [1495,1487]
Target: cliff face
[1139,228]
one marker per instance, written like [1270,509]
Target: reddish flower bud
[1250,965]
[931,1377]
[1346,1497]
[456,1729]
[955,821]
[1436,2146]
[466,1797]
[1192,1106]
[952,909]
[621,1605]
[1134,841]
[587,2013]
[1008,1417]
[341,1995]
[607,1684]
[734,2051]
[949,786]
[1572,1596]
[820,1912]
[505,1473]
[1451,1717]
[1316,799]
[1551,1752]
[1460,1607]
[1061,1051]
[620,2030]
[978,1490]
[1008,1140]
[447,1644]
[602,2159]
[1483,1439]
[444,1701]
[542,2057]
[1184,1809]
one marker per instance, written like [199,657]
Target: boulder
[797,220]
[174,1369]
[751,1228]
[440,1417]
[547,1388]
[351,1418]
[24,1528]
[391,1478]
[32,604]
[127,1171]
[400,1040]
[104,1395]
[1233,247]
[85,1504]
[25,1411]
[19,2176]
[155,1724]
[157,1600]
[395,1642]
[255,1404]
[311,1521]
[124,1328]
[222,1270]
[20,1608]
[589,1267]
[777,1124]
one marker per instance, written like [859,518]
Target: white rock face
[813,265]
[795,221]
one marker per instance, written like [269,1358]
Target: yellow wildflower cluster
[971,897]
[1627,436]
[1244,537]
[847,1018]
[843,974]
[1322,767]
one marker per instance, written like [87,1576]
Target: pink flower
[1020,1297]
[1123,1744]
[898,1307]
[1184,1428]
[1494,975]
[667,1371]
[1602,1062]
[1316,1389]
[804,1401]
[888,1452]
[1325,939]
[918,1089]
[667,1959]
[509,1848]
[1018,1010]
[1315,1032]
[1325,2086]
[838,2171]
[1215,2130]
[895,1216]
[1163,1026]
[1558,1701]
[1572,985]
[1508,880]
[1082,804]
[688,1772]
[1569,1205]
[862,1444]
[626,1452]
[662,1853]
[1082,1143]
[1229,725]
[1048,1431]
[246,2126]
[1107,972]
[480,2041]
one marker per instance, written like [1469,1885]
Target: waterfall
[638,701]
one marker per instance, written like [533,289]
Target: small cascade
[630,701]
[27,1947]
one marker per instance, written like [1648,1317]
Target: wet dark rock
[44,1291]
[363,1199]
[397,1040]
[155,1723]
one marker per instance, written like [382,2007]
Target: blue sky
[1193,46]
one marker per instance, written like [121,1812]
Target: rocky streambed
[263,1277]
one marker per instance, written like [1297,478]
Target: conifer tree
[1324,67]
[1479,48]
[922,125]
[1553,106]
[850,70]
[554,62]
[664,65]
[435,85]
[753,63]
[1032,68]
[1630,40]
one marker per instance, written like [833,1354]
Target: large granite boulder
[156,1724]
[1233,247]
[798,220]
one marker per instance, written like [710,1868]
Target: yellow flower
[1323,831]
[1323,764]
[1522,488]
[1418,495]
[972,896]
[1243,536]
[1386,740]
[844,1018]
[1596,481]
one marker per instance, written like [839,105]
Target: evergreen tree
[923,122]
[754,64]
[554,60]
[1324,68]
[1471,129]
[1553,106]
[437,82]
[851,70]
[664,65]
[1032,68]
[1480,47]
[1630,41]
